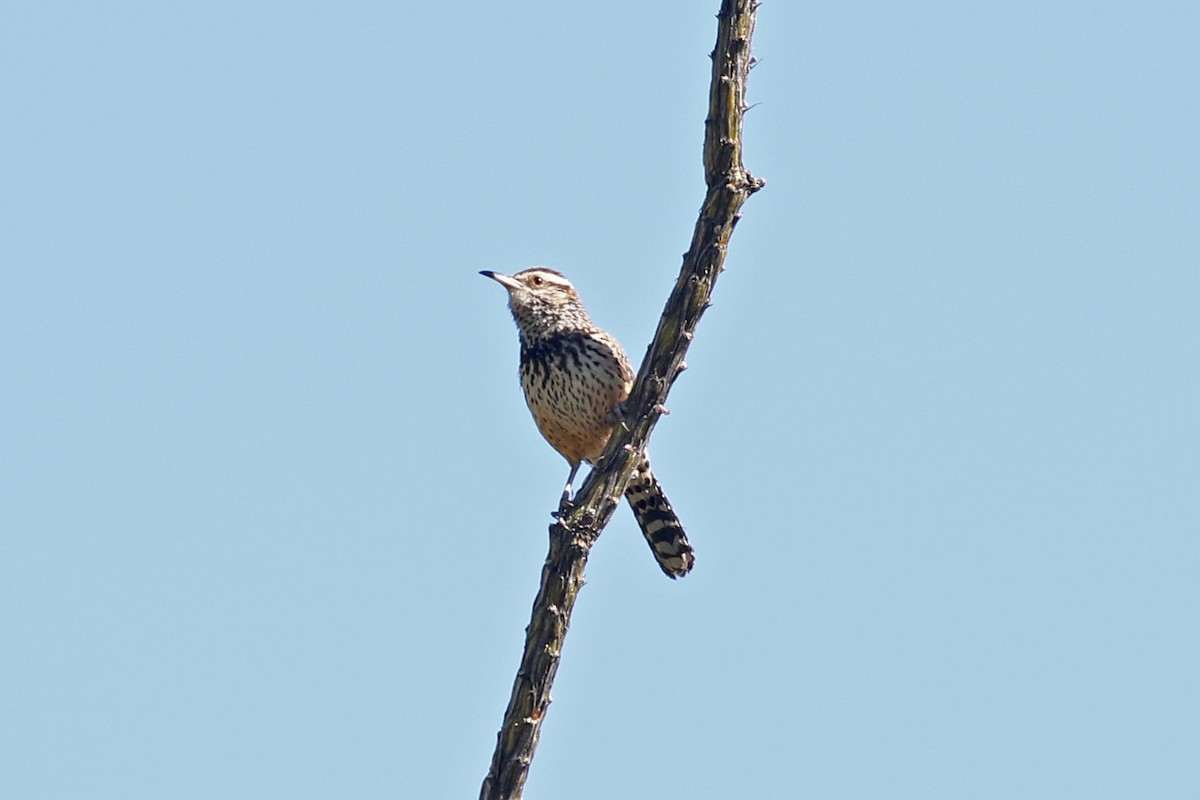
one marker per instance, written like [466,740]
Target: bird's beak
[501,278]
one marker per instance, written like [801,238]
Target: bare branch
[571,538]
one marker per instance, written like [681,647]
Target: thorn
[661,409]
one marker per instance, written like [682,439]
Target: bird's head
[542,300]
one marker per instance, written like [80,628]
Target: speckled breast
[572,384]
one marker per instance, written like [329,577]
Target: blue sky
[273,508]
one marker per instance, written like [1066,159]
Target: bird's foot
[618,415]
[564,506]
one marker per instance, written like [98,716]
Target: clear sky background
[272,508]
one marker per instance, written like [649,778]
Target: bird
[576,379]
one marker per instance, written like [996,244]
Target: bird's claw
[564,507]
[618,414]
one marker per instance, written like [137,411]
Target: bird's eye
[538,280]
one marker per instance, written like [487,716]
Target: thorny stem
[572,535]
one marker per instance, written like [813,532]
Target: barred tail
[658,522]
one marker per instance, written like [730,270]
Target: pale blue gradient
[272,511]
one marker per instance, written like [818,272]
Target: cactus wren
[576,378]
